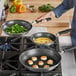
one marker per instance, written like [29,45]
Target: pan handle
[38,21]
[69,49]
[65,49]
[63,32]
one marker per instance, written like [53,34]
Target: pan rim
[16,33]
[28,67]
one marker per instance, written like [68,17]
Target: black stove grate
[9,59]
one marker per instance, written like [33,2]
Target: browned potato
[34,58]
[30,62]
[46,66]
[41,63]
[50,62]
[43,57]
[35,66]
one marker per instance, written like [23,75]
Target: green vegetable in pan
[46,8]
[16,28]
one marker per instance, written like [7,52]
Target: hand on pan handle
[46,17]
[42,20]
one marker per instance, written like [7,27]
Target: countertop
[53,26]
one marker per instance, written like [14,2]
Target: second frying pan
[45,35]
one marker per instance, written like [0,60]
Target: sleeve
[63,7]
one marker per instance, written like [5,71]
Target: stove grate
[9,59]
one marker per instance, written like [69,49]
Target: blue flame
[5,46]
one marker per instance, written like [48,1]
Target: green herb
[16,28]
[46,8]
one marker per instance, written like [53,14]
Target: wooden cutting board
[28,16]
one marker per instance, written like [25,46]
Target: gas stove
[11,48]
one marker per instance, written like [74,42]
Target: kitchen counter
[57,27]
[28,16]
[53,26]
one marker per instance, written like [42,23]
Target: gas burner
[5,46]
[8,43]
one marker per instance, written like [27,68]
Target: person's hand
[47,15]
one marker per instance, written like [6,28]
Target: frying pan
[39,52]
[20,22]
[43,34]
[23,23]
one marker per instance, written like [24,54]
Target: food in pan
[46,66]
[35,66]
[41,63]
[16,28]
[43,40]
[50,62]
[30,62]
[43,57]
[34,58]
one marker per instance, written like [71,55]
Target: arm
[65,6]
[58,11]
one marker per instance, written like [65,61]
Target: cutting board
[28,16]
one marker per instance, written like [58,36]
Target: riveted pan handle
[69,49]
[63,32]
[64,49]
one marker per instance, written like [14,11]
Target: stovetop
[11,48]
